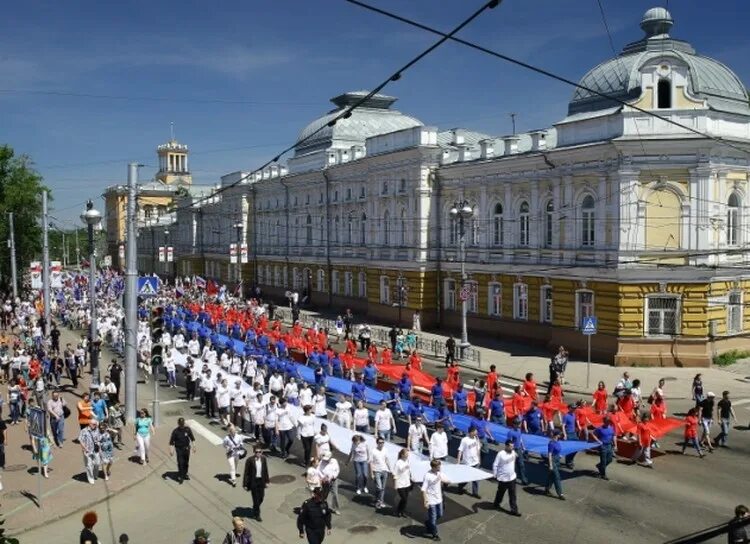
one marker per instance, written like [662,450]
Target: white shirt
[416,433]
[432,487]
[222,396]
[207,383]
[360,453]
[438,445]
[291,391]
[361,416]
[275,383]
[323,443]
[306,425]
[238,399]
[193,347]
[469,449]
[320,405]
[258,412]
[271,415]
[284,416]
[379,460]
[383,420]
[504,467]
[402,474]
[305,396]
[330,469]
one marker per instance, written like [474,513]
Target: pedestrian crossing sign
[588,326]
[148,286]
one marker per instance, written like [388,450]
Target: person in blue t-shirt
[416,410]
[336,366]
[358,389]
[607,437]
[496,411]
[483,431]
[99,407]
[436,394]
[532,420]
[236,331]
[369,374]
[263,342]
[320,376]
[460,401]
[281,349]
[393,401]
[553,466]
[516,436]
[290,369]
[313,360]
[443,416]
[325,362]
[569,433]
[404,387]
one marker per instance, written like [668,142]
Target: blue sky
[241,79]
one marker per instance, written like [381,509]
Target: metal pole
[12,243]
[45,262]
[131,299]
[92,308]
[464,331]
[64,251]
[155,403]
[78,254]
[588,359]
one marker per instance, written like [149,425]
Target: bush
[730,357]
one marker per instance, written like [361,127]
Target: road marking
[205,432]
[741,402]
[175,401]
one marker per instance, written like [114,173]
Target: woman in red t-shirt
[517,403]
[491,381]
[626,404]
[529,387]
[600,398]
[556,391]
[452,377]
[691,432]
[658,408]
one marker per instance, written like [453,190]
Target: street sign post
[37,419]
[148,286]
[588,328]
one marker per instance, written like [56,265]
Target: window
[450,295]
[277,276]
[472,303]
[545,300]
[474,231]
[320,198]
[363,285]
[386,228]
[322,238]
[662,315]
[348,284]
[269,277]
[385,290]
[520,301]
[733,220]
[402,186]
[664,94]
[307,199]
[336,226]
[348,193]
[495,302]
[335,282]
[336,195]
[734,312]
[588,218]
[549,221]
[277,233]
[385,188]
[403,228]
[523,221]
[362,192]
[296,232]
[584,306]
[321,287]
[308,231]
[350,230]
[363,230]
[261,276]
[498,234]
[452,231]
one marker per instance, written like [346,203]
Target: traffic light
[157,331]
[157,355]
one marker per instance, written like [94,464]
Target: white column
[534,216]
[626,219]
[600,225]
[559,213]
[720,208]
[509,224]
[569,224]
[702,233]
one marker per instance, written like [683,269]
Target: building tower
[173,163]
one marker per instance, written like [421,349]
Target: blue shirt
[437,391]
[281,346]
[336,363]
[554,448]
[533,421]
[517,437]
[369,372]
[314,358]
[480,427]
[460,399]
[404,386]
[497,407]
[358,391]
[569,422]
[605,434]
[98,407]
[416,410]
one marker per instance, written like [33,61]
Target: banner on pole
[161,254]
[233,253]
[243,253]
[170,254]
[121,252]
[35,271]
[55,275]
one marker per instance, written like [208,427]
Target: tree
[20,190]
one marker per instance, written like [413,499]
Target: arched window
[386,228]
[664,94]
[363,230]
[549,219]
[296,232]
[350,229]
[320,241]
[403,228]
[308,231]
[498,234]
[588,218]
[452,230]
[523,222]
[277,233]
[336,226]
[733,220]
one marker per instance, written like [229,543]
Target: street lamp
[91,218]
[460,213]
[238,225]
[401,286]
[166,252]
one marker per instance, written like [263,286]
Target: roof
[371,118]
[620,77]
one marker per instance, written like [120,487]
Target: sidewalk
[66,490]
[514,361]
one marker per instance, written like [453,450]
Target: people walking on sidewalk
[554,451]
[106,450]
[380,468]
[144,428]
[235,453]
[239,533]
[314,518]
[181,442]
[402,481]
[256,479]
[725,414]
[691,432]
[56,407]
[90,440]
[85,411]
[607,439]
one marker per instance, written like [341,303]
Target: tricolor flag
[179,291]
[200,283]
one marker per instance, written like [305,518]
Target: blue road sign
[37,422]
[148,286]
[588,326]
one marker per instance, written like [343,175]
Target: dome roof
[620,78]
[373,117]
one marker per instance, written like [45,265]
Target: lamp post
[91,218]
[238,226]
[166,253]
[460,213]
[401,286]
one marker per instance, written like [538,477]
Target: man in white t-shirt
[384,422]
[439,443]
[417,436]
[469,453]
[504,470]
[380,468]
[270,432]
[432,495]
[329,475]
[238,405]
[320,403]
[306,429]
[194,347]
[223,401]
[284,428]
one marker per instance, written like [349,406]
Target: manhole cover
[282,479]
[15,468]
[362,529]
[13,494]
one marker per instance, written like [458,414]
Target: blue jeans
[362,428]
[58,429]
[605,458]
[360,474]
[721,439]
[385,435]
[434,513]
[15,411]
[553,477]
[500,420]
[474,487]
[569,459]
[381,478]
[692,442]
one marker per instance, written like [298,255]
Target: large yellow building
[632,209]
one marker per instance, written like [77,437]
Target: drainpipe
[328,238]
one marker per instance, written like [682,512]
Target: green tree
[20,190]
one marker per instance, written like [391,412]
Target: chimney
[464,153]
[511,145]
[458,136]
[486,149]
[538,140]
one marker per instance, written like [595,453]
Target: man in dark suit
[256,479]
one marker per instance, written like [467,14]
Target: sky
[87,87]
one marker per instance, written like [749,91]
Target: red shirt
[386,356]
[644,435]
[416,361]
[529,387]
[556,392]
[517,404]
[453,374]
[658,411]
[626,404]
[600,400]
[491,382]
[691,427]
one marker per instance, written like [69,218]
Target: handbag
[66,412]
